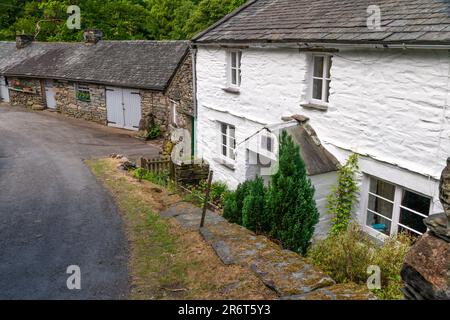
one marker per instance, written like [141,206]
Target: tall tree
[290,199]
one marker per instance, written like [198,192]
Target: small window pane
[416,202]
[239,59]
[317,89]
[233,76]
[412,220]
[233,59]
[380,206]
[318,67]
[378,223]
[382,188]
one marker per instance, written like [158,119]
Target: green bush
[345,256]
[253,213]
[290,199]
[216,195]
[340,201]
[154,132]
[162,178]
[234,202]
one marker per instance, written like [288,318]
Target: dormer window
[320,80]
[234,68]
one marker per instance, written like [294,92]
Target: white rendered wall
[387,105]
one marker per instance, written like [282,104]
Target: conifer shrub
[253,207]
[233,203]
[290,199]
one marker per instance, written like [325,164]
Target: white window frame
[230,154]
[237,68]
[326,63]
[397,206]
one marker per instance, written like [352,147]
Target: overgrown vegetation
[343,195]
[217,194]
[345,256]
[118,19]
[286,210]
[162,178]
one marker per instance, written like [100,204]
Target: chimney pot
[23,40]
[92,35]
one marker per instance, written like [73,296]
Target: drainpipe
[194,88]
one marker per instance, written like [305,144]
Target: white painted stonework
[389,106]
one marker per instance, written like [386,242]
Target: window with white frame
[320,80]
[82,92]
[392,209]
[227,141]
[234,68]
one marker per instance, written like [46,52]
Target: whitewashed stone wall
[386,105]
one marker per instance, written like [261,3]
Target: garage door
[4,92]
[123,108]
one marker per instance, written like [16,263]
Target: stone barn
[124,84]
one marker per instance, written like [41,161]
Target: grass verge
[167,262]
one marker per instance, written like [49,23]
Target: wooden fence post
[205,204]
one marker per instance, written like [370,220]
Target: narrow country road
[53,212]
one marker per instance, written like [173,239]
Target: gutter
[194,96]
[112,84]
[315,45]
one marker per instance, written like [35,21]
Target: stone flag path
[284,271]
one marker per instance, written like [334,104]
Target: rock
[426,270]
[113,155]
[437,223]
[37,107]
[128,165]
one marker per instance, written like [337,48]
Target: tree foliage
[286,210]
[118,19]
[290,199]
[253,207]
[343,195]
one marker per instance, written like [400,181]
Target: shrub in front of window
[290,199]
[345,257]
[343,195]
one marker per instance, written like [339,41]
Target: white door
[123,108]
[4,91]
[50,94]
[132,108]
[114,107]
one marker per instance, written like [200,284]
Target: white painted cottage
[381,91]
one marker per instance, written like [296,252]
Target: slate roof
[336,21]
[318,160]
[135,64]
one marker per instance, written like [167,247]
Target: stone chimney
[23,40]
[92,35]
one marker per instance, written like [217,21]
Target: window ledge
[232,90]
[315,106]
[226,163]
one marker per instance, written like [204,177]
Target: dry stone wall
[68,104]
[32,99]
